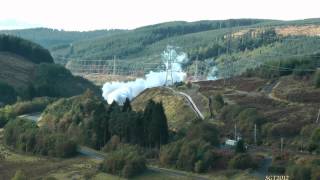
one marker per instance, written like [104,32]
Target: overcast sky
[128,14]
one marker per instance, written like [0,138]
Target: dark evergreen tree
[147,116]
[127,106]
[163,124]
[240,147]
[155,124]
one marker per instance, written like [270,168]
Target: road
[33,116]
[91,153]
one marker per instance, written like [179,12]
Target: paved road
[33,116]
[91,153]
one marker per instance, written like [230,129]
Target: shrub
[217,102]
[204,131]
[7,94]
[24,135]
[199,166]
[242,161]
[125,161]
[195,155]
[314,144]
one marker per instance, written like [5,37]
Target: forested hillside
[247,42]
[31,51]
[54,38]
[27,71]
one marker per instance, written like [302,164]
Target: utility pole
[169,69]
[235,131]
[317,121]
[255,134]
[114,66]
[196,70]
[281,146]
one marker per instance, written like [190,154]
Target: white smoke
[213,74]
[119,91]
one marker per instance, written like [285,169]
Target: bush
[314,144]
[204,131]
[242,161]
[199,166]
[7,94]
[195,155]
[25,136]
[217,102]
[125,161]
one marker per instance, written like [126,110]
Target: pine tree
[157,127]
[127,106]
[147,117]
[163,124]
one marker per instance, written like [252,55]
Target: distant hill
[52,38]
[27,71]
[211,42]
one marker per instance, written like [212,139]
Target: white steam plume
[119,91]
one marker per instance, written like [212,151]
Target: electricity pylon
[169,73]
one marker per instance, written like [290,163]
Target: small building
[230,142]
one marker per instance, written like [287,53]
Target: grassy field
[297,90]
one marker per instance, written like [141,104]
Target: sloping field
[305,30]
[297,90]
[15,70]
[177,109]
